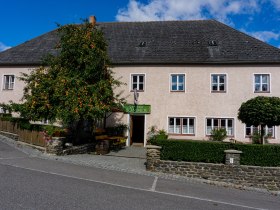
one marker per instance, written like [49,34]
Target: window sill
[249,137]
[179,134]
[217,91]
[137,91]
[208,135]
[261,91]
[7,89]
[177,91]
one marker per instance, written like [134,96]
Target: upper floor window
[137,82]
[268,130]
[217,123]
[262,83]
[181,125]
[177,82]
[218,83]
[9,81]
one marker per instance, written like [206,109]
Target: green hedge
[213,152]
[259,155]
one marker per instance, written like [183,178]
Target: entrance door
[137,129]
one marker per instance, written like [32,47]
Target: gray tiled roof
[163,42]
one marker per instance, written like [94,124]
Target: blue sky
[22,20]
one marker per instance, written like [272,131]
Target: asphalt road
[32,183]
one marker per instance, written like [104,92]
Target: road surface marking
[154,184]
[136,188]
[13,158]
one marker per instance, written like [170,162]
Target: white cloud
[186,9]
[276,4]
[265,35]
[3,47]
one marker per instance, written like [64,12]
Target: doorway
[137,130]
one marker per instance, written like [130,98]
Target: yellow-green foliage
[75,85]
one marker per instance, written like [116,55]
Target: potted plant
[121,129]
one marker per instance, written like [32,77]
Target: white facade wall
[17,92]
[197,101]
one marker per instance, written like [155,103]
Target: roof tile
[172,42]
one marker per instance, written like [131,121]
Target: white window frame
[229,132]
[218,82]
[261,83]
[177,82]
[180,130]
[266,129]
[138,81]
[11,82]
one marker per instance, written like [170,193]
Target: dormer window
[143,44]
[212,43]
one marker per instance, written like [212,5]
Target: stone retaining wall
[56,147]
[83,149]
[243,176]
[10,135]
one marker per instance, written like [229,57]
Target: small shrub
[155,134]
[256,138]
[218,134]
[54,131]
[121,128]
[151,135]
[117,130]
[161,135]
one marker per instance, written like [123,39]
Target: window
[262,83]
[268,130]
[137,82]
[218,83]
[216,123]
[45,121]
[9,81]
[177,82]
[181,125]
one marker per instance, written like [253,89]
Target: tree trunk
[104,121]
[76,128]
[262,134]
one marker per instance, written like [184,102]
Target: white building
[191,76]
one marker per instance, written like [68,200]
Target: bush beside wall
[259,155]
[213,152]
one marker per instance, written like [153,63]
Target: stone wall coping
[58,138]
[233,151]
[4,132]
[153,147]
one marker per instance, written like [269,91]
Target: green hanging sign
[137,109]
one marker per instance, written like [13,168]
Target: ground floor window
[181,125]
[216,123]
[268,130]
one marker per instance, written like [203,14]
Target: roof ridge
[154,21]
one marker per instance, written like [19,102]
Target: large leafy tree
[260,111]
[74,86]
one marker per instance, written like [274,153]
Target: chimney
[92,20]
